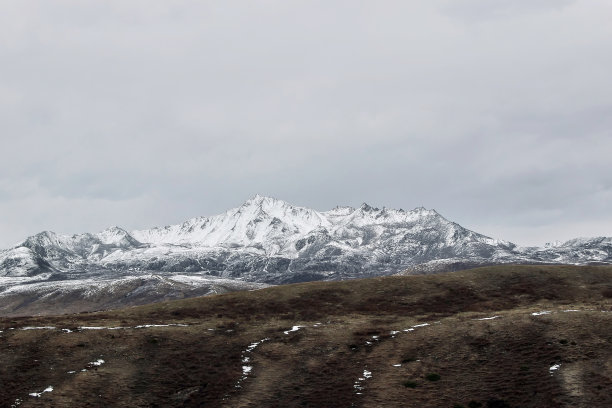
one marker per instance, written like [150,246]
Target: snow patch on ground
[358,385]
[489,318]
[293,329]
[246,368]
[543,312]
[254,345]
[146,326]
[143,326]
[38,394]
[416,326]
[97,363]
[91,364]
[38,328]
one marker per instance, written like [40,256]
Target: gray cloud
[475,10]
[142,113]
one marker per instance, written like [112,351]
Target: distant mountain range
[266,240]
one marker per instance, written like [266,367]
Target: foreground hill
[510,336]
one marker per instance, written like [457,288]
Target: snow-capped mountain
[268,240]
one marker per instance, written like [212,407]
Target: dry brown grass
[499,362]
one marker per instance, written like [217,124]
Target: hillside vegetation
[506,336]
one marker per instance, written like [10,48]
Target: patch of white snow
[254,345]
[554,368]
[293,329]
[38,394]
[358,386]
[38,328]
[146,326]
[543,312]
[246,369]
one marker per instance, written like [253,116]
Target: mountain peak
[45,236]
[269,205]
[116,235]
[259,200]
[424,211]
[114,230]
[367,208]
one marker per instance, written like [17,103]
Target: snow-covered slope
[264,223]
[24,297]
[22,261]
[268,240]
[574,251]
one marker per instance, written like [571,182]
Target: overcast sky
[498,114]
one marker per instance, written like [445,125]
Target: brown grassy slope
[503,362]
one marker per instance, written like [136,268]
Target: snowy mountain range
[267,240]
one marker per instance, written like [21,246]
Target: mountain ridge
[264,230]
[264,241]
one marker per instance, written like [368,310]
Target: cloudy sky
[138,113]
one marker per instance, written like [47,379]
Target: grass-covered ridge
[523,336]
